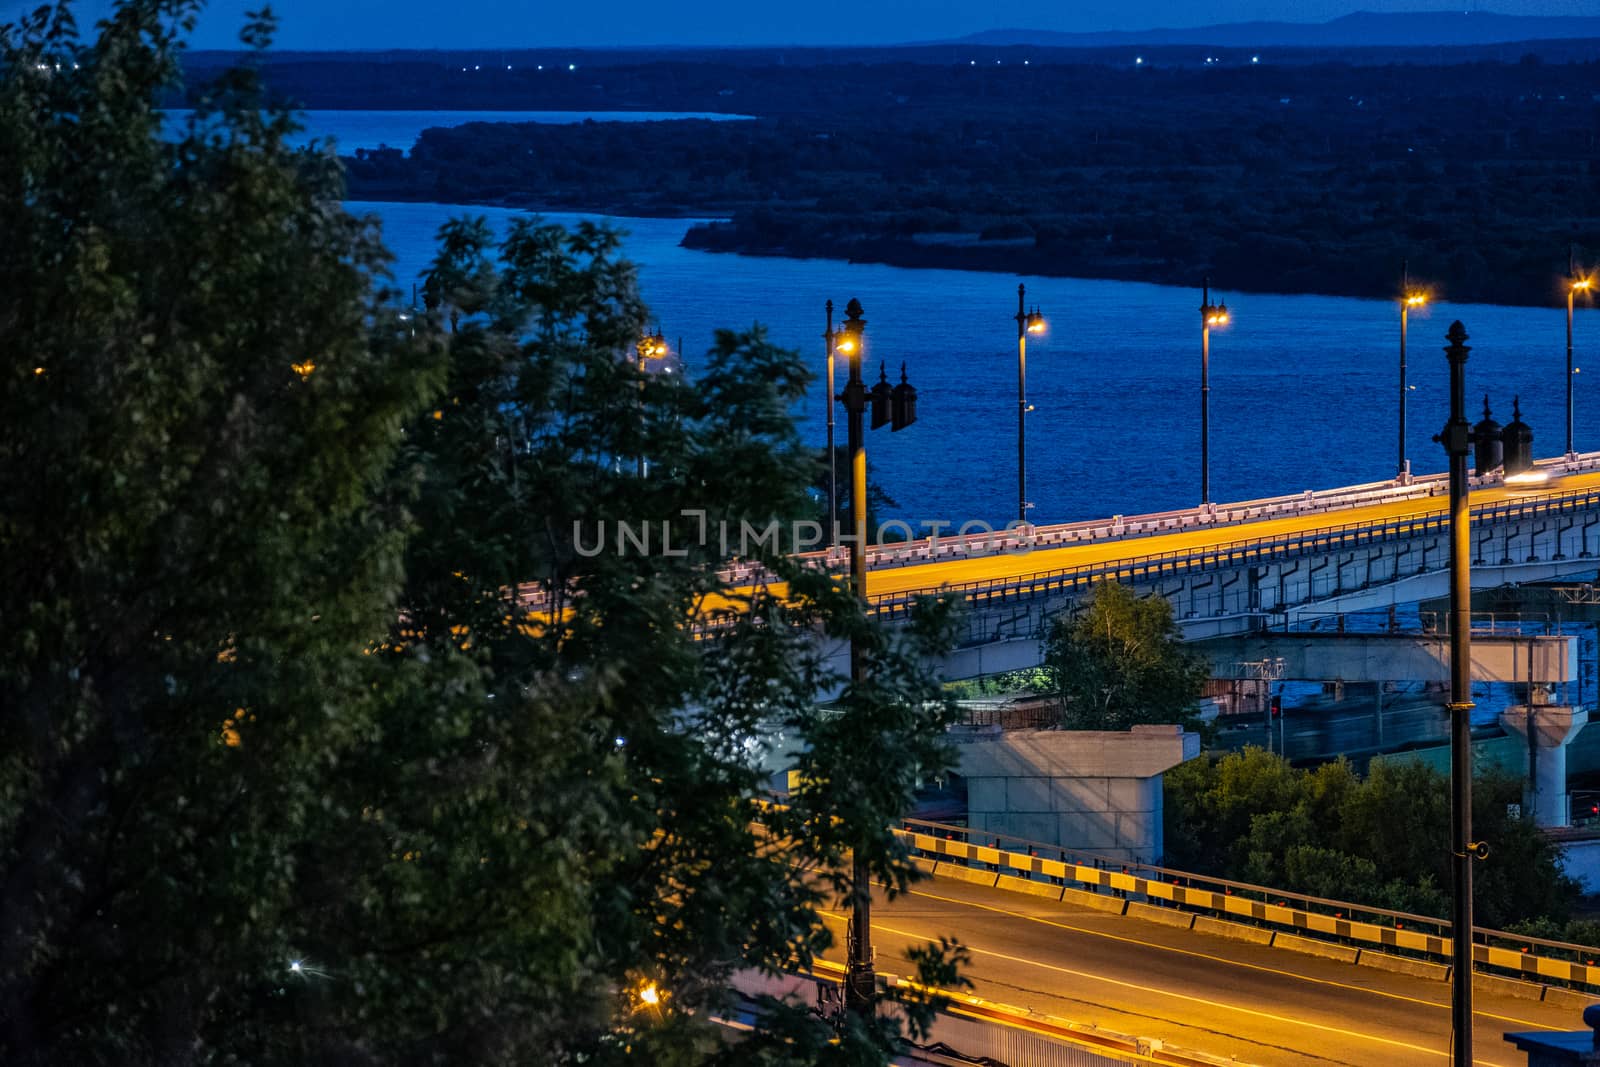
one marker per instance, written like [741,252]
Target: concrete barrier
[1205,924]
[1507,987]
[1571,999]
[1311,947]
[1168,916]
[1082,898]
[968,874]
[1018,884]
[925,865]
[1438,972]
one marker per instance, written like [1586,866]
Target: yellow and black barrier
[1525,962]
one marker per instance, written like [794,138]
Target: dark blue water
[1303,387]
[351,130]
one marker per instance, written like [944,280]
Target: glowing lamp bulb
[650,995]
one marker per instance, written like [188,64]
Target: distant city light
[572,66]
[476,67]
[1255,59]
[1138,60]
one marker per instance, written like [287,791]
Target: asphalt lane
[1193,990]
[891,580]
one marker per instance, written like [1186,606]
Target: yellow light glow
[1416,300]
[38,371]
[1217,320]
[1583,283]
[1036,327]
[847,345]
[1528,478]
[650,995]
[303,369]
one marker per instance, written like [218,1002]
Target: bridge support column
[1547,728]
[1091,790]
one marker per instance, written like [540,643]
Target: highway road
[1192,990]
[997,568]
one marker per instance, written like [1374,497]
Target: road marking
[1224,959]
[1287,1020]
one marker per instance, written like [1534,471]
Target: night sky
[521,23]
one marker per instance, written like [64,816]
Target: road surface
[1192,990]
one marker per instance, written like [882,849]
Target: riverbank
[1316,180]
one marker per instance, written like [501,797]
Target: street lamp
[896,405]
[1574,285]
[1210,315]
[1409,298]
[846,342]
[1027,322]
[1457,441]
[1512,448]
[648,347]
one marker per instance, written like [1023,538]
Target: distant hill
[1363,28]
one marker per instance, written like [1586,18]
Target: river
[1303,387]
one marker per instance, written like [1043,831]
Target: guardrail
[1334,921]
[1241,552]
[960,545]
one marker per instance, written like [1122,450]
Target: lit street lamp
[1409,298]
[1027,322]
[846,343]
[1574,284]
[1210,315]
[650,346]
[897,406]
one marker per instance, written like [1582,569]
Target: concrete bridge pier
[1548,728]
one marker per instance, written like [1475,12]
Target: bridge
[1232,569]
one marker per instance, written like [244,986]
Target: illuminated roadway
[1192,990]
[886,582]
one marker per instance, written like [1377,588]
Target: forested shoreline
[1315,179]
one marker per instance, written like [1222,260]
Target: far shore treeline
[1296,174]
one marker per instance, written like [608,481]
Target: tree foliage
[1120,663]
[325,734]
[1327,832]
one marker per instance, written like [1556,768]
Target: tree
[200,400]
[1328,832]
[328,734]
[1120,663]
[529,476]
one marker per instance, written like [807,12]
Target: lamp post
[1409,298]
[1027,322]
[1210,315]
[650,346]
[1457,441]
[1574,284]
[833,461]
[896,405]
[1510,448]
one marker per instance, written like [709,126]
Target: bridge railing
[1361,926]
[956,545]
[1240,552]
